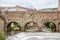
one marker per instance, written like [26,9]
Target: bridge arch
[50,25]
[13,26]
[31,26]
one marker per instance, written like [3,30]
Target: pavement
[35,36]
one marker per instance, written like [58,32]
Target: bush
[2,36]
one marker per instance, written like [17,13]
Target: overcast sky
[38,4]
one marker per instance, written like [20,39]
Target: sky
[38,4]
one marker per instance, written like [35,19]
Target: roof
[49,9]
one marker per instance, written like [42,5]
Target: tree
[51,25]
[47,24]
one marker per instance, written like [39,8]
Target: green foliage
[27,27]
[47,24]
[16,25]
[2,36]
[51,27]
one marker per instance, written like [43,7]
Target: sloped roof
[48,9]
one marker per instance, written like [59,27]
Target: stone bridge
[22,18]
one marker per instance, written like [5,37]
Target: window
[22,21]
[43,16]
[48,16]
[19,16]
[40,16]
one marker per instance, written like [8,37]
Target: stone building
[23,16]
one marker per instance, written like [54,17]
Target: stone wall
[35,16]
